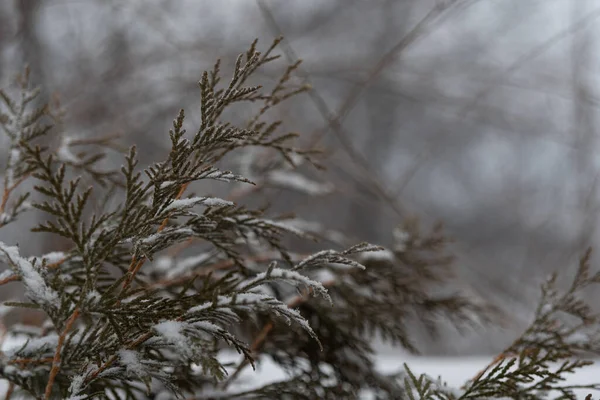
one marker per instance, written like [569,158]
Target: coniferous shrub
[159,283]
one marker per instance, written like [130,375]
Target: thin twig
[334,121]
[56,360]
[495,361]
[9,391]
[136,264]
[24,361]
[11,278]
[6,195]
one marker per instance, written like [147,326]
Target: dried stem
[9,391]
[136,264]
[6,195]
[11,278]
[56,360]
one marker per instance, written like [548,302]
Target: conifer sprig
[130,331]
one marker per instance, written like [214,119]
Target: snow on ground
[455,371]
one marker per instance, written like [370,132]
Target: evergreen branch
[138,332]
[547,339]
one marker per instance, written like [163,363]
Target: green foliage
[564,331]
[130,313]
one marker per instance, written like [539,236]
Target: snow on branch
[36,287]
[183,204]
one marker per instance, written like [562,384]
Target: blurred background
[479,113]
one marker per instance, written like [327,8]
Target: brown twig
[508,353]
[136,263]
[9,391]
[495,361]
[56,360]
[22,361]
[57,263]
[11,278]
[6,194]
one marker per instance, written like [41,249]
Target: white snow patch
[36,345]
[64,152]
[51,258]
[78,384]
[292,277]
[37,290]
[207,326]
[6,274]
[182,204]
[224,176]
[172,332]
[163,263]
[130,360]
[166,184]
